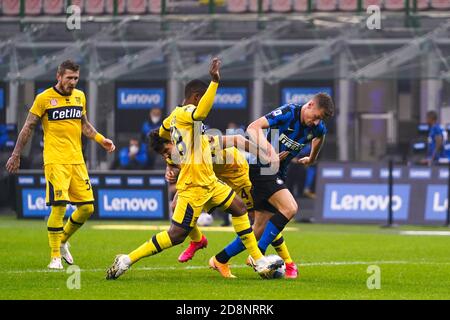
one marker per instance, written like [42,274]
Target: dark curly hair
[156,142]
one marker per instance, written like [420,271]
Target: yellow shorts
[245,192]
[191,202]
[67,183]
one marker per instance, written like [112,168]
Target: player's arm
[90,132]
[206,102]
[239,142]
[316,146]
[13,163]
[438,146]
[256,135]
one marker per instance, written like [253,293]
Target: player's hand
[306,161]
[171,174]
[214,69]
[108,145]
[283,155]
[13,163]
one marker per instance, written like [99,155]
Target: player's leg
[57,185]
[286,208]
[198,240]
[241,223]
[80,193]
[183,220]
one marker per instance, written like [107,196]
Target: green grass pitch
[333,262]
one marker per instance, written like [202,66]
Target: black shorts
[264,186]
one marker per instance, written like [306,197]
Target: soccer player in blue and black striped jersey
[289,128]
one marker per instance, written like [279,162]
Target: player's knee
[177,236]
[289,210]
[87,209]
[238,207]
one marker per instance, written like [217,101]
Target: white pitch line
[425,233]
[307,264]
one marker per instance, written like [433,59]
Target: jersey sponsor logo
[364,201]
[130,203]
[290,144]
[436,203]
[33,203]
[66,113]
[128,98]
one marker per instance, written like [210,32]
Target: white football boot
[65,253]
[264,267]
[55,264]
[121,264]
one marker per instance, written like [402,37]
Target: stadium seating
[254,5]
[367,3]
[95,7]
[53,7]
[237,6]
[394,4]
[326,5]
[300,5]
[120,6]
[154,6]
[440,4]
[137,6]
[281,5]
[422,4]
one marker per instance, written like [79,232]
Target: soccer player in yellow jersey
[197,185]
[62,111]
[231,167]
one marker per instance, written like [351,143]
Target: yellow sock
[157,243]
[76,220]
[55,229]
[245,232]
[280,246]
[195,234]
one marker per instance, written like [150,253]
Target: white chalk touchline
[425,233]
[307,264]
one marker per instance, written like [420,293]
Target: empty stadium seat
[137,6]
[281,5]
[95,7]
[110,6]
[348,5]
[421,4]
[326,5]
[154,6]
[237,6]
[79,3]
[440,4]
[301,5]
[53,6]
[254,5]
[367,3]
[33,7]
[11,7]
[394,4]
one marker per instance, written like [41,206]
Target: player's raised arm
[90,132]
[13,163]
[239,142]
[207,100]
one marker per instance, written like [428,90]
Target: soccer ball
[205,220]
[278,273]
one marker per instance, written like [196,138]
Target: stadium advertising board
[359,192]
[140,98]
[141,195]
[364,201]
[231,98]
[145,204]
[437,202]
[301,95]
[2,98]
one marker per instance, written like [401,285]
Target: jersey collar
[60,93]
